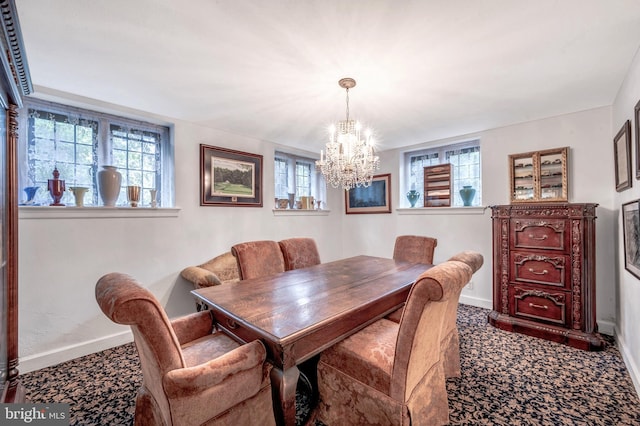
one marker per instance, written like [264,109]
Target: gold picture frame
[375,198]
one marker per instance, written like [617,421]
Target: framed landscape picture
[376,198]
[230,178]
[631,232]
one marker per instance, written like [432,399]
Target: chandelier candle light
[350,161]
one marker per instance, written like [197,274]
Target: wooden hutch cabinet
[544,272]
[14,83]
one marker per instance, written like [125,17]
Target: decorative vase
[154,202]
[413,196]
[109,180]
[292,197]
[467,193]
[31,194]
[78,193]
[56,188]
[133,195]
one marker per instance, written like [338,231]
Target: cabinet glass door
[522,178]
[552,175]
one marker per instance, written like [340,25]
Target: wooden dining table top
[286,306]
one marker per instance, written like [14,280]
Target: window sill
[300,212]
[48,212]
[476,210]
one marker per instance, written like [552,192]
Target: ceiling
[269,69]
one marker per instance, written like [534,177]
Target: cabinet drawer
[538,305]
[540,269]
[539,234]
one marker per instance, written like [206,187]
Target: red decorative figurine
[56,188]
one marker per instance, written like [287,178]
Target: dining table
[299,313]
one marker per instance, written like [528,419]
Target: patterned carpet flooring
[507,379]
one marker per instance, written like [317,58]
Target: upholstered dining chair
[300,252]
[450,339]
[414,248]
[258,258]
[390,373]
[192,375]
[222,269]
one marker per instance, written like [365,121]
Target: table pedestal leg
[283,386]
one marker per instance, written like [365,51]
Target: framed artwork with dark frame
[375,198]
[230,178]
[622,157]
[631,233]
[636,117]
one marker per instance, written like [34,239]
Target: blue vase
[467,193]
[31,193]
[413,196]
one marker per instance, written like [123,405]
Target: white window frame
[317,186]
[165,194]
[414,179]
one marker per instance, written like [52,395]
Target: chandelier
[350,160]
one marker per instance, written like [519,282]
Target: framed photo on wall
[631,233]
[376,198]
[230,178]
[622,157]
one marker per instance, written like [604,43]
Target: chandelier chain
[347,89]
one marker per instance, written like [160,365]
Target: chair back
[299,253]
[124,301]
[414,248]
[472,258]
[417,346]
[258,259]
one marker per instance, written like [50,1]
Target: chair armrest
[193,326]
[200,277]
[189,381]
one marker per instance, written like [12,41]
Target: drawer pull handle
[533,237]
[544,271]
[231,324]
[533,305]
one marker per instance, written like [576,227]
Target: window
[77,141]
[465,158]
[297,175]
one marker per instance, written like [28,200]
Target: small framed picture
[230,178]
[375,198]
[631,233]
[622,156]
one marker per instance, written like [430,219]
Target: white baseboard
[632,368]
[606,327]
[47,359]
[476,301]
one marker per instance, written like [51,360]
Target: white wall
[60,260]
[627,286]
[587,134]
